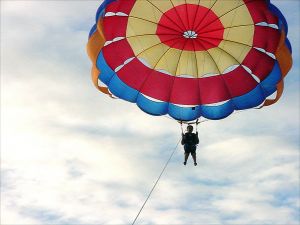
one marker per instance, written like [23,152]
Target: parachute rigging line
[163,170]
[181,127]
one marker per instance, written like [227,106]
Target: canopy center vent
[190,34]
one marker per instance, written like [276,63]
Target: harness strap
[181,127]
[197,122]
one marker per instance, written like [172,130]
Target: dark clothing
[190,140]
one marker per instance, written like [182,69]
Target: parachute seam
[172,86]
[224,13]
[250,46]
[196,13]
[232,19]
[209,55]
[225,28]
[144,82]
[155,46]
[197,78]
[140,35]
[153,22]
[221,76]
[163,14]
[227,40]
[178,15]
[169,47]
[187,16]
[224,82]
[209,9]
[225,52]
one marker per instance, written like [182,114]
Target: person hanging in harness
[189,141]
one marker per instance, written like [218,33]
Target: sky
[70,155]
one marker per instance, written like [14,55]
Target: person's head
[190,128]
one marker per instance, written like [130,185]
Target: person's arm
[197,138]
[183,139]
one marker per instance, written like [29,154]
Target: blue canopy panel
[269,84]
[217,112]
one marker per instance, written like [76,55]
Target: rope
[156,183]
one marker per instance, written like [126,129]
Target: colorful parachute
[190,58]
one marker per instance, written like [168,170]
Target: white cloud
[72,155]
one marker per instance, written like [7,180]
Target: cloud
[72,155]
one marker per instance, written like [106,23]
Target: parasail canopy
[190,58]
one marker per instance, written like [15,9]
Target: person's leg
[194,158]
[186,156]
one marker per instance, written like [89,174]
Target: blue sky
[70,155]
